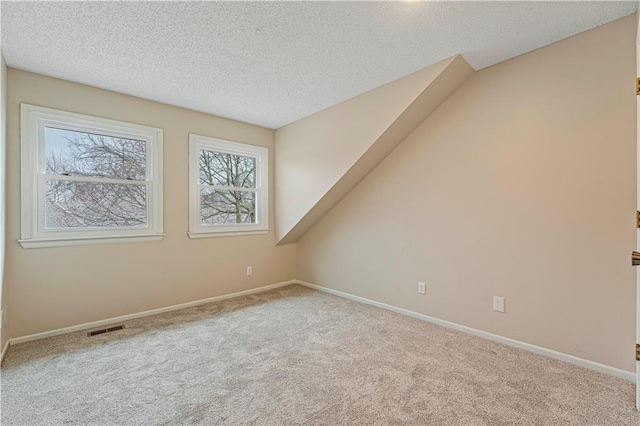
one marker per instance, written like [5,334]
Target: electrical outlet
[249,270]
[498,304]
[422,288]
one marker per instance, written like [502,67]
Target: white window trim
[33,235]
[196,230]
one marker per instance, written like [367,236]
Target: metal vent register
[105,330]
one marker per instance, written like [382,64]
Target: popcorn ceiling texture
[298,356]
[273,63]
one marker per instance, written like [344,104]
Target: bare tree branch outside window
[230,197]
[85,184]
[80,191]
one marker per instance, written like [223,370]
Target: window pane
[224,207]
[68,152]
[220,169]
[72,204]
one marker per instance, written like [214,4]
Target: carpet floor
[297,356]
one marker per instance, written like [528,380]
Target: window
[228,188]
[88,180]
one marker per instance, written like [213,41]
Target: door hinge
[638,219]
[638,86]
[637,351]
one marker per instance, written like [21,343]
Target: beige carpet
[295,355]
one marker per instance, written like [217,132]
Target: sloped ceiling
[319,159]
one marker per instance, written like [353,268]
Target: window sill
[81,241]
[217,234]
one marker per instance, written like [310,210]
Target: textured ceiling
[275,62]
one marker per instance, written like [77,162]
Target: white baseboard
[628,375]
[100,323]
[4,351]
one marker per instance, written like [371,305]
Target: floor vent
[105,330]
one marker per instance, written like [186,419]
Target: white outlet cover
[498,304]
[422,287]
[249,270]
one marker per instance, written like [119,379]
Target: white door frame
[638,208]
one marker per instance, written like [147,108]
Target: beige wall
[3,144]
[58,287]
[521,185]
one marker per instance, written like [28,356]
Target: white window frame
[261,154]
[34,119]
